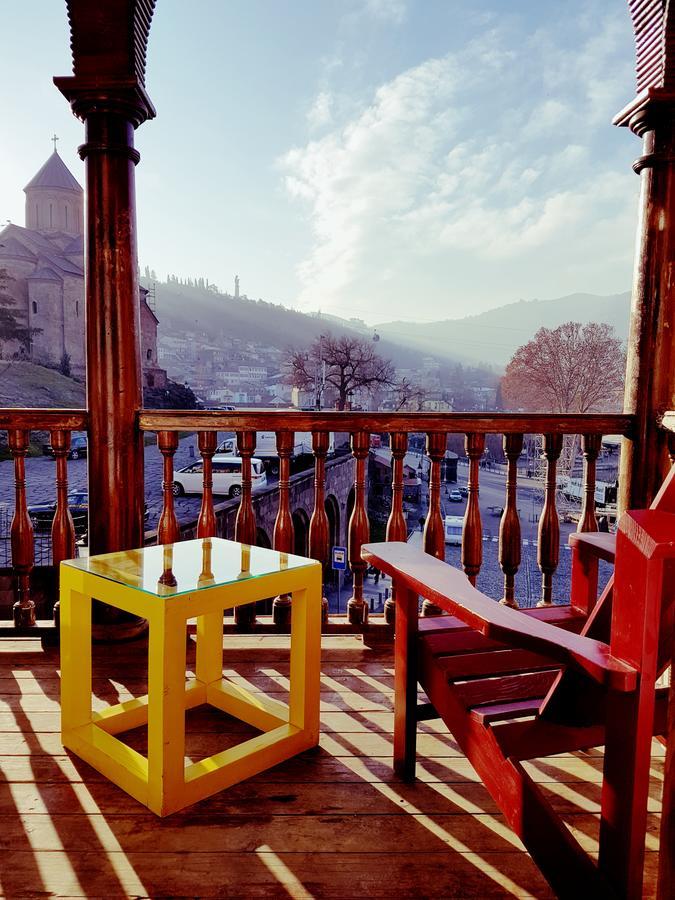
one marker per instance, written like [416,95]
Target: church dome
[54,199]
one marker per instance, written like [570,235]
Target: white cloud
[450,164]
[320,113]
[393,11]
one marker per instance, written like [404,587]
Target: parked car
[464,491]
[226,476]
[455,496]
[42,514]
[78,447]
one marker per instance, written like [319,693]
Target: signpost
[339,557]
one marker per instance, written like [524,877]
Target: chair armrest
[599,543]
[452,591]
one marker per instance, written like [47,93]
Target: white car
[226,477]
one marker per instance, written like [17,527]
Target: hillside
[183,308]
[493,336]
[27,384]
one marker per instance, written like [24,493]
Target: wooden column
[21,533]
[168,529]
[107,93]
[472,534]
[319,532]
[396,524]
[207,442]
[359,530]
[509,526]
[650,366]
[245,530]
[433,539]
[548,533]
[283,525]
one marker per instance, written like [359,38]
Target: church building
[44,284]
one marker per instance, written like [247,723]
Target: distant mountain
[493,336]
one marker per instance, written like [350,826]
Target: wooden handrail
[336,420]
[43,419]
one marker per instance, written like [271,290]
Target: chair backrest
[575,698]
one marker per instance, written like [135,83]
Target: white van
[453,530]
[266,447]
[226,477]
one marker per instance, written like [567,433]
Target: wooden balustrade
[472,535]
[509,526]
[319,532]
[284,532]
[590,445]
[396,524]
[245,530]
[548,534]
[206,526]
[433,539]
[359,530]
[168,529]
[21,532]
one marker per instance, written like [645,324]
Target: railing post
[590,445]
[23,554]
[283,525]
[245,530]
[168,530]
[548,533]
[207,442]
[509,526]
[472,533]
[319,536]
[359,530]
[63,527]
[433,539]
[396,524]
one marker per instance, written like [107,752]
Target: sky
[383,159]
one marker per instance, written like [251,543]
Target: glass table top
[187,566]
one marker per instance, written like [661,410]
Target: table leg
[306,658]
[75,656]
[166,710]
[210,647]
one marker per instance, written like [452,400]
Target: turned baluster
[319,531]
[433,539]
[206,527]
[590,445]
[283,525]
[548,534]
[396,525]
[509,526]
[359,530]
[472,532]
[168,529]
[21,533]
[245,530]
[63,527]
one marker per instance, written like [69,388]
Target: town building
[44,264]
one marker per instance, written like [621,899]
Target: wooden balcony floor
[331,823]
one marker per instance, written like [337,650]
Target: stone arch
[333,513]
[301,528]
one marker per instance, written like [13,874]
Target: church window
[77,308]
[148,354]
[51,209]
[34,306]
[37,217]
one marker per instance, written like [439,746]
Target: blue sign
[340,558]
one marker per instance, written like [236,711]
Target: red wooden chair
[512,687]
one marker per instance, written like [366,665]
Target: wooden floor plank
[335,822]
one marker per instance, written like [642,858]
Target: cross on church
[54,139]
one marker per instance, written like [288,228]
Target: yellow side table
[167,586]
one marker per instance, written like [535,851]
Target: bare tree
[573,368]
[408,395]
[346,364]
